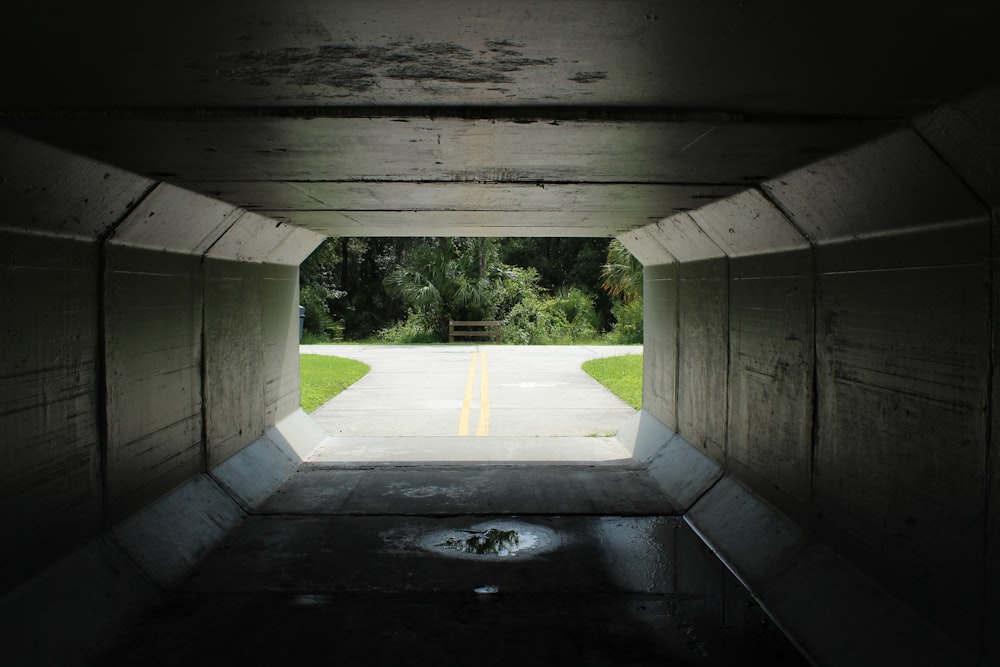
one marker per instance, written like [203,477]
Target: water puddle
[495,540]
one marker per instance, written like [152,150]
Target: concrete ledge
[683,473]
[838,616]
[644,436]
[835,614]
[256,471]
[298,434]
[74,610]
[169,537]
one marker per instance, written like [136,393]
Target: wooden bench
[484,329]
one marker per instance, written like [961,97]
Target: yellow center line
[484,402]
[463,420]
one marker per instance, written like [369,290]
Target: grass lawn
[324,377]
[621,375]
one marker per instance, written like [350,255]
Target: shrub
[537,321]
[414,329]
[627,329]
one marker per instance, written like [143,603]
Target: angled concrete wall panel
[703,354]
[966,134]
[48,191]
[903,352]
[645,247]
[56,206]
[294,247]
[684,239]
[234,357]
[771,374]
[254,238]
[659,381]
[280,339]
[153,347]
[175,220]
[889,186]
[50,487]
[748,224]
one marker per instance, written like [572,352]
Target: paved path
[472,403]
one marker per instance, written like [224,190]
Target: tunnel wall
[131,310]
[833,363]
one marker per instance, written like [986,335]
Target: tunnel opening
[753,311]
[818,232]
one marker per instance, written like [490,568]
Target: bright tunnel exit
[461,402]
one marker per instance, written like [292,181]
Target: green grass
[621,375]
[323,377]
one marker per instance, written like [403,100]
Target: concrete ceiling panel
[780,57]
[685,240]
[630,200]
[748,224]
[473,209]
[414,148]
[644,246]
[178,220]
[296,168]
[47,191]
[891,185]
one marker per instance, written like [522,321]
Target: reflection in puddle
[494,542]
[506,539]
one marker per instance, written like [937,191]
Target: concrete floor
[350,562]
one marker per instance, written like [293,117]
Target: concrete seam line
[228,491]
[704,493]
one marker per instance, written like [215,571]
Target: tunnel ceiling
[558,118]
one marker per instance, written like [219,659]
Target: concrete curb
[256,471]
[75,609]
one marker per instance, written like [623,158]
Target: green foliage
[539,320]
[318,291]
[443,284]
[323,377]
[627,329]
[510,286]
[622,273]
[533,322]
[414,329]
[621,375]
[406,289]
[578,307]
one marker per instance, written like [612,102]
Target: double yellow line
[484,398]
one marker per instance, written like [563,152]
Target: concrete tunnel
[812,191]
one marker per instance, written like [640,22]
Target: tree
[622,273]
[443,283]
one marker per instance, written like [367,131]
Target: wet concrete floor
[362,566]
[401,541]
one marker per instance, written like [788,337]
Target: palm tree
[622,274]
[436,281]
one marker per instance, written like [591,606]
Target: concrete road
[472,403]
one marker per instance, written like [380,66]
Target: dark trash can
[302,320]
